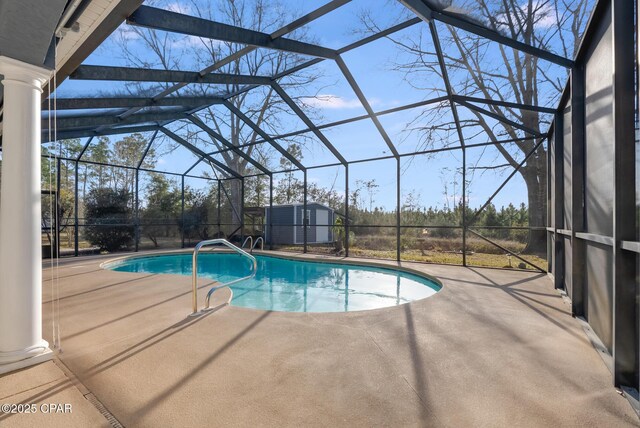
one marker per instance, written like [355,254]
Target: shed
[287,224]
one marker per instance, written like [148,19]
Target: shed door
[322,231]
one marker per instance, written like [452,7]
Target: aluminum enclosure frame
[567,245]
[105,124]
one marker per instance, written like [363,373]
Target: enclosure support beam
[146,150]
[398,207]
[137,209]
[402,155]
[241,211]
[234,211]
[270,225]
[76,205]
[174,174]
[306,220]
[484,238]
[264,135]
[213,134]
[159,19]
[456,118]
[56,213]
[130,102]
[363,100]
[21,342]
[81,123]
[219,196]
[196,163]
[197,151]
[182,210]
[129,74]
[346,210]
[81,133]
[500,118]
[577,84]
[558,201]
[501,103]
[504,183]
[550,222]
[426,13]
[298,111]
[465,224]
[84,148]
[137,195]
[625,325]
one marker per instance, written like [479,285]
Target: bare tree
[480,68]
[261,104]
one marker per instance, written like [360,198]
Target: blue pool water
[294,285]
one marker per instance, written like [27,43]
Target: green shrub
[194,223]
[108,217]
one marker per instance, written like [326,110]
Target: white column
[21,342]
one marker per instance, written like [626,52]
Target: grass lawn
[475,259]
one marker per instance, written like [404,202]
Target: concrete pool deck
[492,348]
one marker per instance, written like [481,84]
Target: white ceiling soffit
[27,27]
[88,21]
[24,20]
[98,20]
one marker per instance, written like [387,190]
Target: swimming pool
[294,285]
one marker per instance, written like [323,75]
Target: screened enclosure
[471,132]
[423,125]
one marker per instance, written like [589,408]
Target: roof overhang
[28,32]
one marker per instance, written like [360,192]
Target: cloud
[188,42]
[329,101]
[126,32]
[543,13]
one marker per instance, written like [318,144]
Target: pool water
[294,285]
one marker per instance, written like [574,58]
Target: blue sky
[374,67]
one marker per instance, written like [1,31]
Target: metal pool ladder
[261,241]
[249,239]
[194,267]
[252,245]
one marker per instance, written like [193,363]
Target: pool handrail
[194,267]
[261,241]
